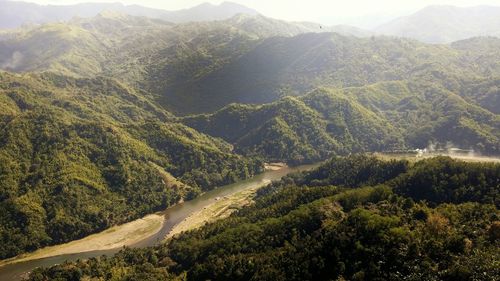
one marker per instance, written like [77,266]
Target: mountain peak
[16,13]
[111,14]
[445,23]
[228,7]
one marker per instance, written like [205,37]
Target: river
[173,216]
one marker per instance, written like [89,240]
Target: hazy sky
[359,12]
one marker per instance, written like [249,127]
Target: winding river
[173,216]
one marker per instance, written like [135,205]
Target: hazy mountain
[268,27]
[280,66]
[445,24]
[14,14]
[208,12]
[114,44]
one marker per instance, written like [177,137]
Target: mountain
[300,130]
[86,47]
[445,24]
[427,113]
[354,218]
[279,66]
[209,12]
[15,13]
[82,47]
[381,117]
[421,90]
[113,45]
[78,156]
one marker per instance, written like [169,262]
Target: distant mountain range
[445,24]
[433,24]
[14,14]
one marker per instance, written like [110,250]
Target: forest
[353,218]
[109,118]
[78,156]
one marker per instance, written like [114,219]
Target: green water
[173,216]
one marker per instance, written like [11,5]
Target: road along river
[172,216]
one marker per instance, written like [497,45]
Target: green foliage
[300,130]
[80,155]
[295,231]
[390,93]
[443,179]
[354,171]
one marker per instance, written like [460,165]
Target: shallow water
[173,216]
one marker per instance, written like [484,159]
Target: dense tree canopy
[78,156]
[328,225]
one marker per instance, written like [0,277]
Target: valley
[146,231]
[349,200]
[218,143]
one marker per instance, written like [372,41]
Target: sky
[363,13]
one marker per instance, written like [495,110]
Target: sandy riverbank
[221,208]
[116,237]
[274,166]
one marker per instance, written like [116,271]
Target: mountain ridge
[445,23]
[16,13]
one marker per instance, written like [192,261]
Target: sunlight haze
[364,13]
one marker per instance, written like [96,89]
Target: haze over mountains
[201,67]
[445,24]
[433,24]
[14,14]
[124,111]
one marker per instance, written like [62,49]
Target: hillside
[355,218]
[113,44]
[280,66]
[80,155]
[445,24]
[428,113]
[300,130]
[201,67]
[380,117]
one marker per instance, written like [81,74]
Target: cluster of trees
[80,155]
[328,225]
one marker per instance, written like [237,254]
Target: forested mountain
[294,65]
[94,112]
[300,130]
[80,155]
[113,44]
[16,13]
[355,218]
[201,67]
[379,117]
[445,24]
